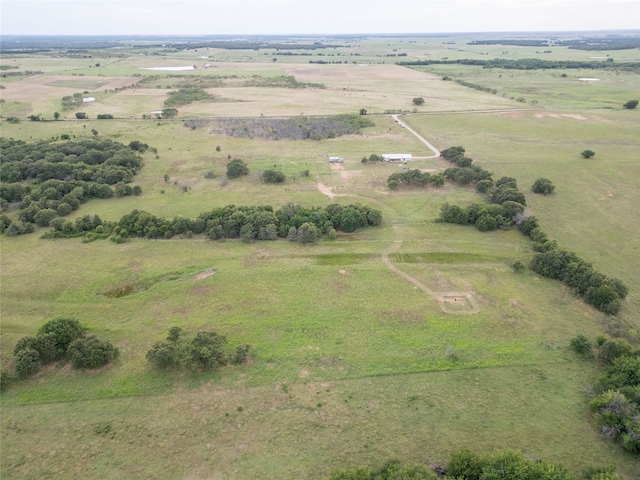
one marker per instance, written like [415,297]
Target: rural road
[436,152]
[450,302]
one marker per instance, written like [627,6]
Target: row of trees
[204,351]
[253,223]
[414,178]
[604,293]
[59,339]
[465,465]
[51,200]
[616,394]
[506,209]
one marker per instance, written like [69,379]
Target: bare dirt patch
[458,302]
[347,174]
[206,274]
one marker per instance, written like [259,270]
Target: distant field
[352,363]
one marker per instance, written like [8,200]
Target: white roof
[88,99]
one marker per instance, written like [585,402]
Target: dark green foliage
[104,116]
[518,266]
[612,349]
[242,353]
[203,352]
[185,96]
[64,331]
[537,63]
[604,298]
[27,361]
[504,194]
[6,379]
[465,465]
[581,345]
[588,153]
[138,146]
[296,128]
[44,216]
[237,168]
[543,186]
[81,116]
[486,223]
[46,176]
[453,214]
[169,113]
[414,178]
[600,473]
[163,355]
[206,351]
[631,104]
[273,176]
[484,186]
[507,182]
[90,352]
[527,224]
[616,407]
[418,101]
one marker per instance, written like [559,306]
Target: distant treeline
[583,43]
[528,64]
[242,45]
[519,43]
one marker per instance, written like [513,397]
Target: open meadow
[409,340]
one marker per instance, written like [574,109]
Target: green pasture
[596,198]
[351,362]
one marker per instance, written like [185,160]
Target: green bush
[466,465]
[27,362]
[64,331]
[90,352]
[612,349]
[581,345]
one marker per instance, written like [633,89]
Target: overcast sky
[167,17]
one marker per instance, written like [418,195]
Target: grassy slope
[352,363]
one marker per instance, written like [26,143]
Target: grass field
[352,363]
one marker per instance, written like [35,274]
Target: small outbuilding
[336,160]
[88,99]
[396,157]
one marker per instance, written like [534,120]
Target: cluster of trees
[296,128]
[70,102]
[414,178]
[631,104]
[485,217]
[58,339]
[104,116]
[604,293]
[292,221]
[465,465]
[91,160]
[185,96]
[204,351]
[48,179]
[616,394]
[236,168]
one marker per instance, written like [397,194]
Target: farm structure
[396,157]
[336,160]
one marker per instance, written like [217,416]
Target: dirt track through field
[450,302]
